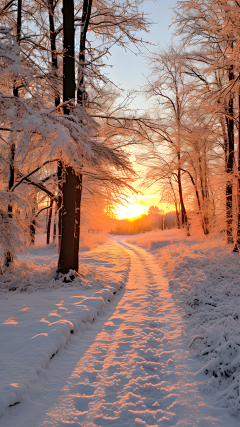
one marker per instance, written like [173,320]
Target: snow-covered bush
[11,231]
[205,277]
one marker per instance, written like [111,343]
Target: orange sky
[139,205]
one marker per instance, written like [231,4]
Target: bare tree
[213,26]
[168,88]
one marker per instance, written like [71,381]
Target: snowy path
[133,368]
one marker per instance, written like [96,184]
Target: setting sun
[130,211]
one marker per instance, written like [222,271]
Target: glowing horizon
[138,206]
[130,211]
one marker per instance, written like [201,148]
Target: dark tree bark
[204,191]
[176,205]
[77,216]
[237,244]
[11,167]
[49,221]
[54,231]
[32,228]
[183,210]
[67,260]
[86,13]
[51,9]
[9,257]
[59,205]
[204,218]
[206,198]
[81,97]
[230,160]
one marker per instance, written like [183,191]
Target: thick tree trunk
[81,96]
[67,260]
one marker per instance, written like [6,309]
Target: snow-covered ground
[111,348]
[205,281]
[38,314]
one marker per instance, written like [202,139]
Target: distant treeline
[145,223]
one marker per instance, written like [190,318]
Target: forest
[70,138]
[119,213]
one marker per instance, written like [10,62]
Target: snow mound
[36,269]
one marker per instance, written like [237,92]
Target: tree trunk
[9,256]
[183,210]
[32,229]
[203,218]
[237,244]
[49,222]
[51,8]
[54,230]
[77,216]
[86,13]
[81,96]
[206,196]
[59,205]
[176,204]
[177,216]
[67,260]
[230,162]
[204,192]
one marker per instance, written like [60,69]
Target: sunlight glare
[130,211]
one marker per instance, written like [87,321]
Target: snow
[34,326]
[204,280]
[111,348]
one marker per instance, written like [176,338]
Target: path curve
[137,370]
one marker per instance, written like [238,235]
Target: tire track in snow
[122,364]
[136,372]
